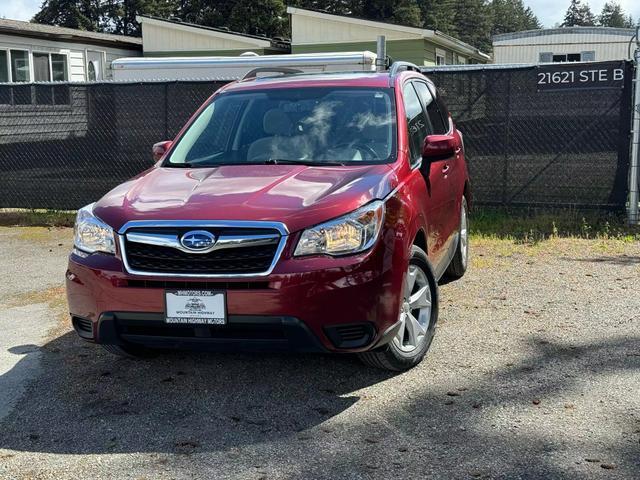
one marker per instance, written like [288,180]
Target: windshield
[316,126]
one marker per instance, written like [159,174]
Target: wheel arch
[420,240]
[467,193]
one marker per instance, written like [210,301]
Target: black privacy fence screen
[532,137]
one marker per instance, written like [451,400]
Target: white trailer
[233,68]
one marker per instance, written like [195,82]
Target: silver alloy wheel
[415,313]
[464,234]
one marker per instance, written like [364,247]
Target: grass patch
[532,226]
[520,225]
[36,218]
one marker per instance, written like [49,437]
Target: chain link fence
[65,145]
[554,135]
[64,150]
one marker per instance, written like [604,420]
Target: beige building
[314,31]
[568,44]
[173,38]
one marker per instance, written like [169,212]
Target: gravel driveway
[534,373]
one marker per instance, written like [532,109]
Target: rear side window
[435,117]
[417,123]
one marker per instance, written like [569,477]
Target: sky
[550,12]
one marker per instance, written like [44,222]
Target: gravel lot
[534,373]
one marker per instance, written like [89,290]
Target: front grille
[247,259]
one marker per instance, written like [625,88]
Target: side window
[417,122]
[436,119]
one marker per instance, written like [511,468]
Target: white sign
[195,307]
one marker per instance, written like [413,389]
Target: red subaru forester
[305,212]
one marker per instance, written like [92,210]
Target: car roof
[350,79]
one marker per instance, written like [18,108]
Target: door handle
[446,168]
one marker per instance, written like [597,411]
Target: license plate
[195,307]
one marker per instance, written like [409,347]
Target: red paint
[317,290]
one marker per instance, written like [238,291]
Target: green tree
[472,22]
[612,15]
[259,17]
[578,15]
[438,14]
[511,16]
[79,14]
[403,12]
[213,13]
[339,7]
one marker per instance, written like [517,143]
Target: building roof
[51,32]
[625,32]
[434,36]
[260,40]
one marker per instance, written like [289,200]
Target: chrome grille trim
[229,241]
[222,242]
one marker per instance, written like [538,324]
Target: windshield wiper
[311,163]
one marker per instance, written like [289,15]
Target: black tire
[390,356]
[130,351]
[460,260]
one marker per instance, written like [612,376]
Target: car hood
[299,196]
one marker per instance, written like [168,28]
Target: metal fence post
[633,167]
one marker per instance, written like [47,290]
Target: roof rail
[284,70]
[397,67]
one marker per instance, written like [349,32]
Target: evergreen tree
[531,20]
[339,7]
[512,16]
[612,15]
[79,14]
[438,15]
[259,17]
[472,22]
[403,12]
[579,15]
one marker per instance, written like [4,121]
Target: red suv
[306,212]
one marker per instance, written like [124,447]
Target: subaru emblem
[198,240]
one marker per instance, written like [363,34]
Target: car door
[443,173]
[436,197]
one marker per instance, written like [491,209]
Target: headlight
[350,234]
[91,234]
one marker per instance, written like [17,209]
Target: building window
[441,58]
[568,57]
[48,67]
[41,70]
[20,66]
[461,60]
[59,67]
[4,66]
[91,71]
[548,57]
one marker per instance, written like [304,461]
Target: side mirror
[160,148]
[439,147]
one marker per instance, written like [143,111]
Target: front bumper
[306,304]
